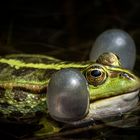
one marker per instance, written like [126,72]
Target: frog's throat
[110,107]
[113,106]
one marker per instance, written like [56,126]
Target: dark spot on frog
[27,107]
[4,105]
[3,66]
[2,92]
[23,71]
[47,74]
[19,95]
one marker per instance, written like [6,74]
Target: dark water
[67,30]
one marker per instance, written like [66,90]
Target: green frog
[23,88]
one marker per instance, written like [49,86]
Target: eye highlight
[95,75]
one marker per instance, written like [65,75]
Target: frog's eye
[95,76]
[95,73]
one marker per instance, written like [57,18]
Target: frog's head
[113,89]
[108,78]
[107,81]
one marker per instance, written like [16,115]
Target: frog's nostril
[68,96]
[126,75]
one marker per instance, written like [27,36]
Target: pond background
[67,30]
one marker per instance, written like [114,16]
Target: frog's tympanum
[23,88]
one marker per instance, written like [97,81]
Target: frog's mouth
[113,106]
[110,107]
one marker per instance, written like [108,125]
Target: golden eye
[95,75]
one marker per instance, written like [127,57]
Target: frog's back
[23,70]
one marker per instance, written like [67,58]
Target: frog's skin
[23,88]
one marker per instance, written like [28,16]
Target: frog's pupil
[95,73]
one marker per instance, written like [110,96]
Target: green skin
[23,88]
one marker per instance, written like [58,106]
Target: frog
[24,80]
